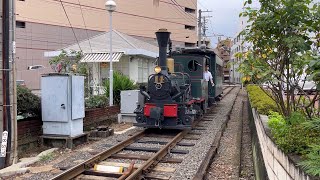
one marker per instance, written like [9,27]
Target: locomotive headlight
[157,69]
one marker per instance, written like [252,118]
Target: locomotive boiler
[168,100]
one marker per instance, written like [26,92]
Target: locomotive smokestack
[163,38]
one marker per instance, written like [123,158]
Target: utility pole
[203,25]
[7,122]
[205,28]
[14,151]
[199,28]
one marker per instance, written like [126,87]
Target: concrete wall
[278,164]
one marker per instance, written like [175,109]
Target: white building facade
[238,46]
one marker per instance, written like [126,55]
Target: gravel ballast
[68,159]
[226,164]
[234,157]
[191,163]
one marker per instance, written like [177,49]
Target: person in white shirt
[207,75]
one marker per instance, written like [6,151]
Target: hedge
[261,101]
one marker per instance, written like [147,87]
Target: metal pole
[14,76]
[199,28]
[111,70]
[6,77]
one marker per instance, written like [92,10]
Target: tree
[70,63]
[284,35]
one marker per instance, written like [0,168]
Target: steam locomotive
[177,94]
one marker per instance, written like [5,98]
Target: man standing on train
[207,75]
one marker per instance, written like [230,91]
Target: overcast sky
[225,16]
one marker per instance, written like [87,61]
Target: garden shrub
[313,124]
[120,82]
[98,101]
[291,137]
[312,162]
[260,100]
[28,104]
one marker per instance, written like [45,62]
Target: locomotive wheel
[199,111]
[187,120]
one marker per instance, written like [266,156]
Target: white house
[133,57]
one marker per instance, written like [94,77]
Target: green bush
[28,104]
[120,83]
[312,162]
[260,100]
[291,137]
[313,124]
[98,101]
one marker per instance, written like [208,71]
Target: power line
[201,4]
[65,12]
[120,12]
[84,23]
[180,9]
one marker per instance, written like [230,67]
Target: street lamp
[110,6]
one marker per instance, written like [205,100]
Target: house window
[189,10]
[190,27]
[20,24]
[143,71]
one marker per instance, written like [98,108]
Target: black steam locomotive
[173,100]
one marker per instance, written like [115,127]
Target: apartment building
[49,25]
[224,50]
[239,45]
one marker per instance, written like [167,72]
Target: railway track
[148,167]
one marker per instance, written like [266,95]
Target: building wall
[131,17]
[224,49]
[43,26]
[235,76]
[33,39]
[137,68]
[238,46]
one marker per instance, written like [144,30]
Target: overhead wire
[117,11]
[70,24]
[182,11]
[85,25]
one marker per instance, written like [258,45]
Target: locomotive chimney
[163,38]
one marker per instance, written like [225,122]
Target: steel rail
[78,169]
[155,159]
[231,88]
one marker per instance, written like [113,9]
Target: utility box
[129,100]
[62,102]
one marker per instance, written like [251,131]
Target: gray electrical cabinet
[129,100]
[62,104]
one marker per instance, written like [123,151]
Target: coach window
[193,65]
